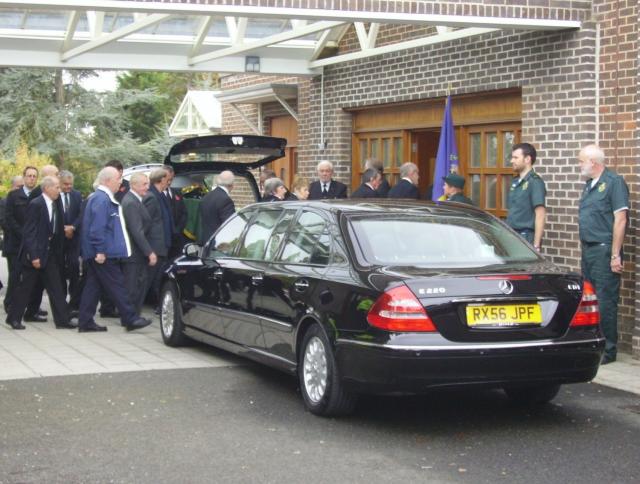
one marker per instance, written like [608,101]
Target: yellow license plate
[503,316]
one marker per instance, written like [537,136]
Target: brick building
[558,90]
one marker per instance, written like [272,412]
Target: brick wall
[618,20]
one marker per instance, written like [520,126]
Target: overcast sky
[104,81]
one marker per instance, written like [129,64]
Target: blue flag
[447,152]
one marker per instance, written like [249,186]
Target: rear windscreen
[437,241]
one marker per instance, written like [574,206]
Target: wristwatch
[615,256]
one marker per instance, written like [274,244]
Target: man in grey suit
[161,233]
[138,221]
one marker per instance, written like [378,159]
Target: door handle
[301,285]
[256,279]
[218,273]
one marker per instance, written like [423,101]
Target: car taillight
[588,313]
[398,309]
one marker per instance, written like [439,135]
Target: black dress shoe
[16,324]
[91,328]
[109,314]
[35,318]
[42,312]
[66,326]
[137,324]
[73,314]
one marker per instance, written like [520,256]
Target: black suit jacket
[404,189]
[138,221]
[124,188]
[41,240]
[179,212]
[14,215]
[215,208]
[336,190]
[156,236]
[383,189]
[72,215]
[364,191]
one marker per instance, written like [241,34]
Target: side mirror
[191,251]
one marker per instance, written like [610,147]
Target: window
[387,147]
[278,234]
[228,237]
[456,241]
[308,241]
[255,240]
[489,170]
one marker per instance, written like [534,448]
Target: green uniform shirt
[524,196]
[597,207]
[460,198]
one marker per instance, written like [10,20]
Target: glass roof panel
[175,26]
[218,28]
[10,19]
[258,28]
[116,21]
[46,21]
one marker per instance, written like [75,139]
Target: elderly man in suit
[179,214]
[326,186]
[161,233]
[216,206]
[371,180]
[71,204]
[407,187]
[138,221]
[15,212]
[104,245]
[384,187]
[41,256]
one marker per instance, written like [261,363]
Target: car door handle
[256,279]
[218,273]
[301,285]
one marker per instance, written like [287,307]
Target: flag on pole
[447,153]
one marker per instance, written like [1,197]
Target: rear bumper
[379,368]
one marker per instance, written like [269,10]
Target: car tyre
[171,326]
[322,390]
[532,395]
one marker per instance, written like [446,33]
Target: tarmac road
[246,423]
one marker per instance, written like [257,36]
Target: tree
[148,120]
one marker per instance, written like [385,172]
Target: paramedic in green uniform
[453,186]
[602,219]
[526,200]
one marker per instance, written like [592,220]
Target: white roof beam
[241,29]
[441,29]
[96,23]
[113,36]
[298,24]
[410,44]
[287,106]
[74,16]
[270,40]
[205,25]
[320,45]
[372,36]
[361,32]
[348,16]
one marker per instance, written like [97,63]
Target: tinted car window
[258,234]
[439,242]
[278,234]
[228,237]
[308,241]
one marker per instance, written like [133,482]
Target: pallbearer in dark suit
[138,221]
[15,213]
[384,187]
[179,214]
[371,179]
[407,187]
[326,187]
[41,256]
[216,206]
[71,201]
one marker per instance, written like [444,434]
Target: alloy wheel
[315,369]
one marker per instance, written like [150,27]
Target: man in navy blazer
[326,187]
[371,179]
[71,204]
[216,206]
[41,256]
[407,187]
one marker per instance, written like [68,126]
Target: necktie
[324,189]
[54,218]
[65,199]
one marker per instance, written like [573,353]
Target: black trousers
[136,281]
[155,277]
[105,278]
[15,270]
[106,305]
[71,278]
[30,277]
